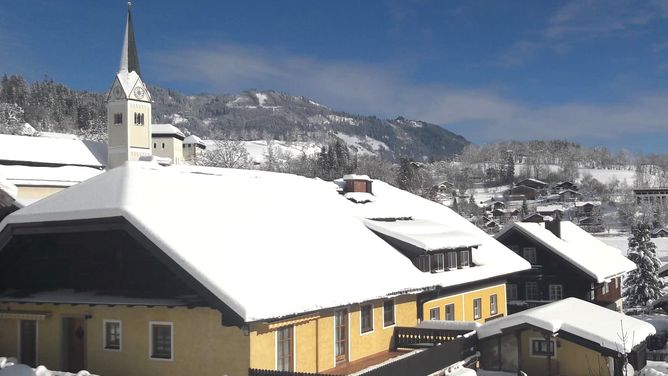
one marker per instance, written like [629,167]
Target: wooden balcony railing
[266,372]
[413,338]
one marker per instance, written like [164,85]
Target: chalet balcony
[415,351]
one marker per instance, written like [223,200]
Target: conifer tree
[643,285]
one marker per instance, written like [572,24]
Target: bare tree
[227,154]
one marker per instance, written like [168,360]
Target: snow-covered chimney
[554,225]
[357,183]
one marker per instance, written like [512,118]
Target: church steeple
[129,57]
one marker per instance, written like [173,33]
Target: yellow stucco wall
[314,338]
[570,359]
[202,346]
[463,302]
[36,192]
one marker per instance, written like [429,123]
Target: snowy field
[259,149]
[621,242]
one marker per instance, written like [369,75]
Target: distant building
[651,196]
[533,183]
[192,148]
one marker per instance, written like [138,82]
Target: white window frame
[552,288]
[477,308]
[493,304]
[526,290]
[533,355]
[104,335]
[445,310]
[451,265]
[424,263]
[437,257]
[431,315]
[294,346]
[529,254]
[465,255]
[150,340]
[512,287]
[394,313]
[373,326]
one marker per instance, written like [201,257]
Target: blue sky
[595,72]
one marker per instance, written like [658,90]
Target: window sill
[363,333]
[161,359]
[111,349]
[385,326]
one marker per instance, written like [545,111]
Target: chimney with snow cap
[357,183]
[554,225]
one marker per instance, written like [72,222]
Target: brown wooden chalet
[522,192]
[565,262]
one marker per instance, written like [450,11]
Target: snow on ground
[621,242]
[341,119]
[366,145]
[658,320]
[177,119]
[261,98]
[654,368]
[607,176]
[259,149]
[487,194]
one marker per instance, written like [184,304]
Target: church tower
[128,107]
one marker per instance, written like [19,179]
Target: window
[111,335]
[284,349]
[139,118]
[423,263]
[539,347]
[439,262]
[161,344]
[592,292]
[464,259]
[493,305]
[118,118]
[477,308]
[388,313]
[556,292]
[452,260]
[435,314]
[450,312]
[366,320]
[532,291]
[511,291]
[606,288]
[529,254]
[163,145]
[155,145]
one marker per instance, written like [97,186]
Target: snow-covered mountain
[254,115]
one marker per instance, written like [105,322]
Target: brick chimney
[555,224]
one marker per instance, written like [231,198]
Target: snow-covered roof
[356,177]
[424,234]
[550,208]
[251,215]
[583,319]
[62,176]
[569,191]
[597,259]
[192,139]
[532,180]
[166,129]
[584,203]
[8,191]
[51,151]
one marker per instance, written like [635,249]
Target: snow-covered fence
[8,365]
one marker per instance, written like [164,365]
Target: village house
[569,337]
[566,261]
[657,196]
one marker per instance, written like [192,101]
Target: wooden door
[341,335]
[28,342]
[75,340]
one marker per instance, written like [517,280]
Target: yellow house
[259,271]
[567,337]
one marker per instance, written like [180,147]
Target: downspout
[317,345]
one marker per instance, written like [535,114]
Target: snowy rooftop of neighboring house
[51,151]
[356,177]
[532,180]
[584,203]
[63,176]
[192,139]
[569,191]
[424,234]
[166,129]
[600,325]
[549,208]
[597,259]
[254,215]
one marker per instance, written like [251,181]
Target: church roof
[166,130]
[129,56]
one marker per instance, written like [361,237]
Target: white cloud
[386,91]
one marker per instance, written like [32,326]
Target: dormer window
[452,260]
[464,259]
[439,262]
[423,263]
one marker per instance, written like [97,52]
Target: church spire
[129,57]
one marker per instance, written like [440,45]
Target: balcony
[414,351]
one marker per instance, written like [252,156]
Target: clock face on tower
[140,93]
[118,93]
